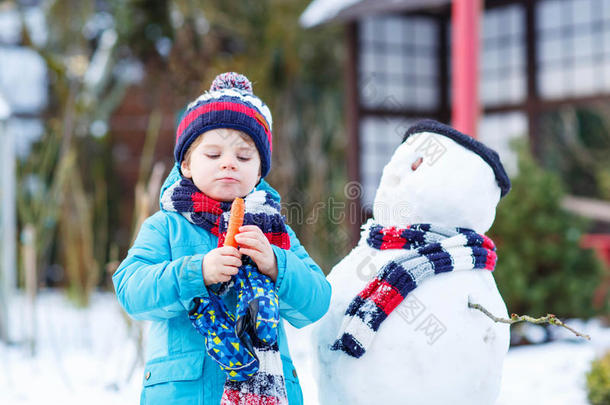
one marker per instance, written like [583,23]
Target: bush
[541,266]
[598,381]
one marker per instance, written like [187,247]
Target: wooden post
[465,46]
[532,76]
[444,113]
[31,284]
[352,125]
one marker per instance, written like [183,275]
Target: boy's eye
[244,158]
[212,155]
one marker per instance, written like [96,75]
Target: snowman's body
[433,348]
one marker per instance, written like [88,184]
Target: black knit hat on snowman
[489,155]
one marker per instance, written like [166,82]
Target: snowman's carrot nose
[416,164]
[236,219]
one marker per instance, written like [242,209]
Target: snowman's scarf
[243,343]
[429,250]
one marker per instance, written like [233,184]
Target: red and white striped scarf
[429,250]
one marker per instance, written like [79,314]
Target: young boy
[223,151]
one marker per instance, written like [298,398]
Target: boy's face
[224,165]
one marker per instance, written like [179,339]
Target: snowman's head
[440,176]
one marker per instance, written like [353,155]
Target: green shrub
[598,381]
[541,266]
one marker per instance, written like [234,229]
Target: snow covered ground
[85,356]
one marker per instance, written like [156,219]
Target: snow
[81,356]
[23,89]
[5,109]
[24,131]
[320,11]
[84,355]
[545,374]
[23,73]
[23,80]
[10,25]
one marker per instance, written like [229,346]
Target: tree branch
[514,318]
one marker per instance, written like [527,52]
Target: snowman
[399,329]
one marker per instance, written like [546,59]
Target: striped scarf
[261,210]
[243,343]
[429,250]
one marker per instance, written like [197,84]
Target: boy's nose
[228,163]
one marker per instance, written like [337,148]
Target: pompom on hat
[230,103]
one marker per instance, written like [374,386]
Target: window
[379,137]
[573,42]
[498,131]
[399,63]
[502,60]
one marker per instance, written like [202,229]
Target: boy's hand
[220,264]
[253,242]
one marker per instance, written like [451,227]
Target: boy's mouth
[228,180]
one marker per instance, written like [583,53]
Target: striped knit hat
[229,103]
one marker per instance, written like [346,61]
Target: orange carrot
[236,219]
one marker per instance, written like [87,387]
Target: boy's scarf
[429,250]
[243,343]
[261,210]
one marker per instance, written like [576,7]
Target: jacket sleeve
[302,287]
[151,286]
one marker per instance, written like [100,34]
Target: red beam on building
[465,63]
[601,244]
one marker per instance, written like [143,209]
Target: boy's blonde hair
[189,151]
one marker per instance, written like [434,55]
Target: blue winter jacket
[162,274]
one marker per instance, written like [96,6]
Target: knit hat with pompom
[229,103]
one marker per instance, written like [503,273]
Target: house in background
[129,125]
[535,56]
